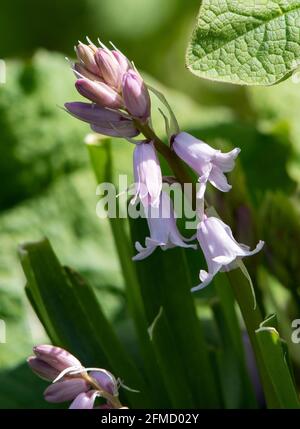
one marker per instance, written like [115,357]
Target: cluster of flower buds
[71,381]
[121,102]
[119,98]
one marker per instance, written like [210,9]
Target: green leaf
[73,318]
[274,353]
[169,287]
[245,42]
[170,362]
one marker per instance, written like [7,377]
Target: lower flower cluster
[73,382]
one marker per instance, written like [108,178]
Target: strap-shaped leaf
[246,42]
[170,362]
[274,354]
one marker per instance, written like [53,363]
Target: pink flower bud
[56,357]
[136,95]
[123,61]
[106,381]
[109,68]
[99,92]
[81,71]
[103,121]
[42,369]
[65,390]
[86,55]
[124,129]
[84,401]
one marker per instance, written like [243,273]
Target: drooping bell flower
[147,174]
[163,229]
[71,381]
[136,96]
[209,163]
[220,248]
[102,120]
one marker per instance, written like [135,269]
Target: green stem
[252,318]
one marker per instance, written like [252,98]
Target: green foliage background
[47,187]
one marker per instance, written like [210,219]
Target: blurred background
[47,187]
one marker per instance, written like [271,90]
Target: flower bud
[86,55]
[99,92]
[84,401]
[80,71]
[106,381]
[65,390]
[42,369]
[109,68]
[103,121]
[136,95]
[56,357]
[123,61]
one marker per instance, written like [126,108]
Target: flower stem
[252,318]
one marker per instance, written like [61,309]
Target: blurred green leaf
[41,141]
[280,227]
[276,112]
[245,42]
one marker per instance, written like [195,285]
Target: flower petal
[65,390]
[84,401]
[219,180]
